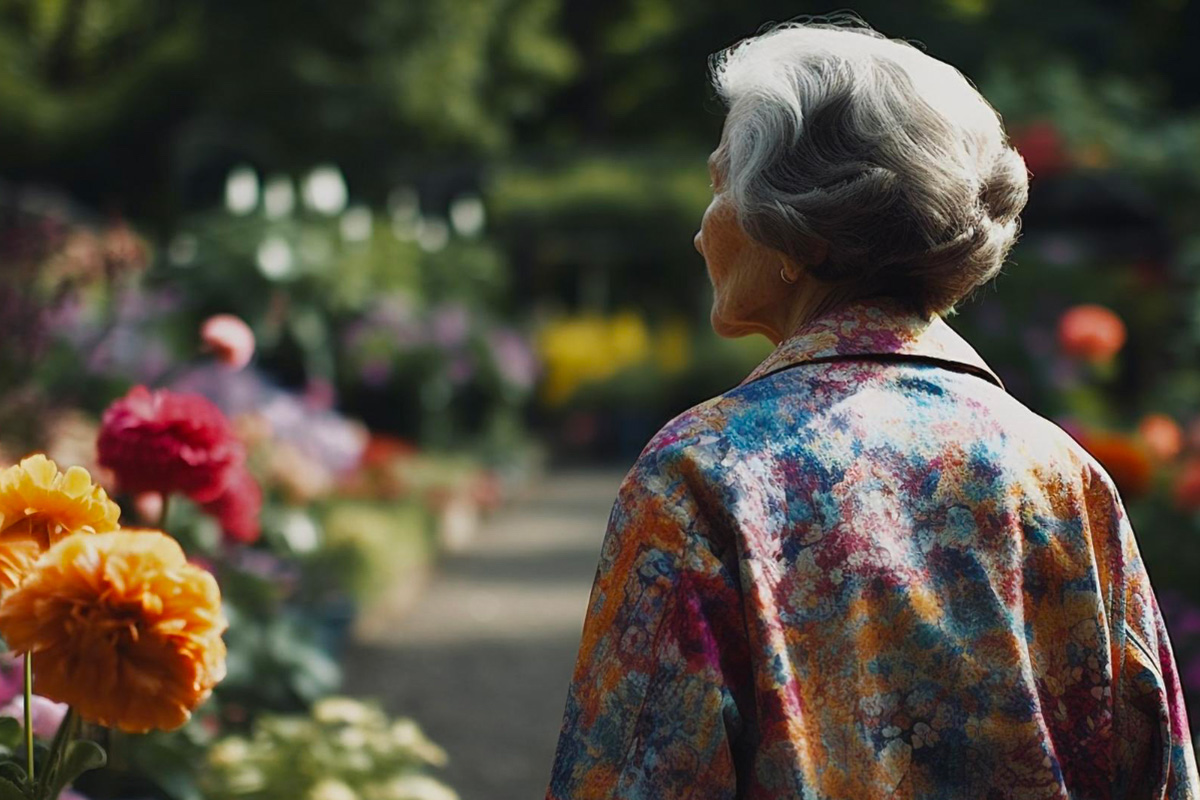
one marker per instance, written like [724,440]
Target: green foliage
[57,766]
[363,81]
[368,546]
[625,186]
[286,645]
[346,748]
[79,70]
[78,757]
[11,736]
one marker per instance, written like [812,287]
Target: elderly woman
[866,571]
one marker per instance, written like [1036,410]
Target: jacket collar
[875,327]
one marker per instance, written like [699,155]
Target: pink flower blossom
[12,677]
[47,715]
[229,338]
[163,441]
[238,508]
[149,507]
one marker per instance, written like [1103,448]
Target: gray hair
[838,136]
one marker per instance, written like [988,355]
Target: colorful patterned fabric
[869,572]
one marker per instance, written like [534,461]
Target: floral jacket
[869,572]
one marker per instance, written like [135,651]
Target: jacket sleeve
[1153,750]
[652,709]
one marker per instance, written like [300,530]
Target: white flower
[356,224]
[467,215]
[408,736]
[432,234]
[330,789]
[229,751]
[241,191]
[279,196]
[275,258]
[344,711]
[352,738]
[300,532]
[415,787]
[325,190]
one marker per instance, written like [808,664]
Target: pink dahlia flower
[165,442]
[239,507]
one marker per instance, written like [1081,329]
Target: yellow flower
[673,344]
[589,348]
[38,503]
[122,628]
[16,560]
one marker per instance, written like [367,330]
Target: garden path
[482,658]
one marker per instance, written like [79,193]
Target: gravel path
[483,657]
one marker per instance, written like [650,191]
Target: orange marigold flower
[1162,435]
[122,628]
[1126,461]
[39,503]
[17,558]
[1091,332]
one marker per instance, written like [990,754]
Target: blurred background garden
[459,234]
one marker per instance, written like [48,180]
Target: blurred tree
[144,106]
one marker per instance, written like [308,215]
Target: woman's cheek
[720,240]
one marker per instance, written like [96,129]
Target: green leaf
[81,756]
[10,732]
[10,791]
[13,772]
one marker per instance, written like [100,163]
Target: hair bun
[1005,189]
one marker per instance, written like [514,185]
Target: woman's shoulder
[690,433]
[810,414]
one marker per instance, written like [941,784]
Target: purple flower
[132,304]
[375,372]
[12,677]
[450,324]
[396,317]
[319,394]
[460,369]
[513,357]
[128,351]
[322,434]
[65,317]
[266,566]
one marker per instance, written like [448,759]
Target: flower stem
[29,712]
[166,507]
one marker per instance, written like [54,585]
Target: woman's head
[855,165]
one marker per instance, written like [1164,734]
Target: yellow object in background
[673,346]
[591,348]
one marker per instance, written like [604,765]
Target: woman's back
[870,572]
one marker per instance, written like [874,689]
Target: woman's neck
[814,301]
